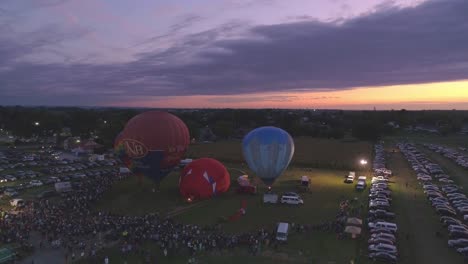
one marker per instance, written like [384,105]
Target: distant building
[71,143]
[86,147]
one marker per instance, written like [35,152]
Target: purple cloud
[422,44]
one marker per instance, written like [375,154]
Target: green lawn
[321,204]
[309,152]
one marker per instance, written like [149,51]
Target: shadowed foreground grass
[321,203]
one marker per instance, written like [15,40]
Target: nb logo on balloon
[134,149]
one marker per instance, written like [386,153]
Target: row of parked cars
[382,244]
[76,166]
[459,157]
[73,166]
[13,191]
[447,199]
[19,175]
[22,159]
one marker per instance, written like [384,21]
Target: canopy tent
[354,221]
[353,230]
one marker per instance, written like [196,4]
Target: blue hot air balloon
[268,151]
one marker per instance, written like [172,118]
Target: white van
[349,179]
[287,199]
[385,225]
[282,231]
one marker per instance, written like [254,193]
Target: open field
[416,219]
[309,152]
[321,204]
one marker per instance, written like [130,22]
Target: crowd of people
[70,223]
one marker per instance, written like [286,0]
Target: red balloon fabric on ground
[204,178]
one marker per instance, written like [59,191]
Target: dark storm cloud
[395,46]
[427,43]
[185,22]
[12,49]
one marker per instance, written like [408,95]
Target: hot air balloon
[268,151]
[152,144]
[119,151]
[203,178]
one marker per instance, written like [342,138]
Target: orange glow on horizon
[444,95]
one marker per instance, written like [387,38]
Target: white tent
[353,230]
[354,221]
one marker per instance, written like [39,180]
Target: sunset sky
[346,54]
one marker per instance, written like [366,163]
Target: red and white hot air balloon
[203,178]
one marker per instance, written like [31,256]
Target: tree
[367,130]
[223,129]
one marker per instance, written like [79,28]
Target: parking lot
[382,241]
[33,172]
[444,228]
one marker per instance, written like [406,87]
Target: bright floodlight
[78,141]
[363,162]
[105,122]
[36,123]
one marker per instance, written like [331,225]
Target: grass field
[321,203]
[309,152]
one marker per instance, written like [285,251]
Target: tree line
[106,123]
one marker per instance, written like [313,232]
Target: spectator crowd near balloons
[71,223]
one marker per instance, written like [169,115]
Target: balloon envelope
[204,178]
[268,151]
[153,143]
[120,151]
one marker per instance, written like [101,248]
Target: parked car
[461,242]
[285,199]
[391,249]
[36,183]
[10,192]
[383,256]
